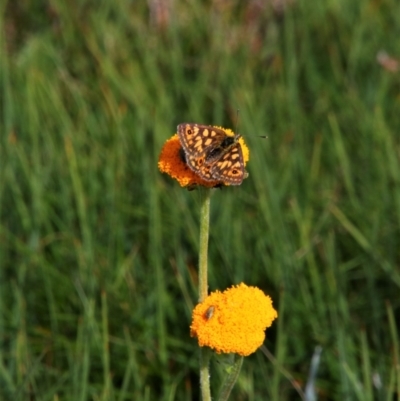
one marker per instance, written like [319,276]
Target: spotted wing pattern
[212,154]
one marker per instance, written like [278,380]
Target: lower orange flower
[233,321]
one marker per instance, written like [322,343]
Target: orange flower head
[233,321]
[173,161]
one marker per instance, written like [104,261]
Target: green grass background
[98,250]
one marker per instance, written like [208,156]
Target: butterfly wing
[198,140]
[199,166]
[229,168]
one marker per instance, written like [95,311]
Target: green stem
[205,353]
[203,251]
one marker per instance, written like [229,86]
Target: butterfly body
[212,154]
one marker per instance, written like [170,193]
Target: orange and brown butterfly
[213,153]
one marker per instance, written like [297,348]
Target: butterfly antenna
[237,125]
[237,120]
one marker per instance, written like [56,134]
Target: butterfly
[212,154]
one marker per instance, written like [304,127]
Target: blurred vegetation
[98,250]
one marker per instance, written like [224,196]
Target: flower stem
[205,353]
[203,251]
